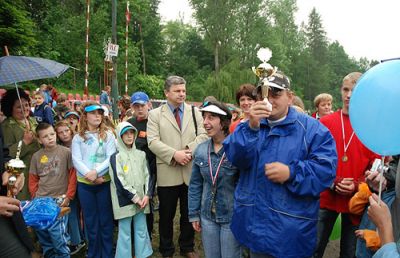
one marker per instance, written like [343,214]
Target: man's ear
[290,96]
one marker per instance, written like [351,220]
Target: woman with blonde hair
[323,104]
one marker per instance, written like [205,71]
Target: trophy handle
[18,150]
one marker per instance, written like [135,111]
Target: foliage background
[214,55]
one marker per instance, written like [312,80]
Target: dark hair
[225,120]
[41,127]
[9,98]
[245,90]
[125,103]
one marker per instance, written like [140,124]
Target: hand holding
[66,202]
[182,157]
[373,179]
[91,175]
[28,137]
[144,202]
[8,206]
[346,186]
[258,111]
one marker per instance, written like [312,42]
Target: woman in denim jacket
[212,185]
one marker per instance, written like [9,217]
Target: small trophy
[263,71]
[15,167]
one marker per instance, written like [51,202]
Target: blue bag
[41,212]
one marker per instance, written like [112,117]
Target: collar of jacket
[286,126]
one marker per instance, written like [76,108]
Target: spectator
[43,113]
[51,174]
[19,126]
[245,98]
[91,151]
[173,132]
[354,160]
[141,106]
[14,237]
[64,136]
[212,185]
[130,193]
[323,104]
[72,118]
[105,98]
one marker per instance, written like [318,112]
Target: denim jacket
[200,187]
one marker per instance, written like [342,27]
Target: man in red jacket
[353,160]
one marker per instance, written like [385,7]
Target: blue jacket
[200,187]
[43,114]
[281,219]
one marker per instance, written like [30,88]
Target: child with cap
[73,118]
[91,151]
[141,105]
[212,186]
[130,193]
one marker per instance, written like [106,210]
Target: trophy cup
[15,167]
[263,71]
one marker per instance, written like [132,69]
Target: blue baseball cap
[139,98]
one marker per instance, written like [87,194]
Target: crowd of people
[253,181]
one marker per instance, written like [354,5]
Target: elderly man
[173,132]
[286,159]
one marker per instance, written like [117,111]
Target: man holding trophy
[286,159]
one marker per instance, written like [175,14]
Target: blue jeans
[361,250]
[218,240]
[326,221]
[97,212]
[74,225]
[141,236]
[54,240]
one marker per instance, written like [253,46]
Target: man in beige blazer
[173,132]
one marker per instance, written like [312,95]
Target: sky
[365,28]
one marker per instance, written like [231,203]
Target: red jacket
[360,158]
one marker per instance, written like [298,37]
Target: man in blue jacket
[286,159]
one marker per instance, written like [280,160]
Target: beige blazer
[164,138]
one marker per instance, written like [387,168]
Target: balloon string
[381,179]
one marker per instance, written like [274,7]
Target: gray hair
[173,80]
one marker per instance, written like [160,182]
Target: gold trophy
[263,71]
[14,167]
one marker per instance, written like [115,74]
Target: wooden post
[86,89]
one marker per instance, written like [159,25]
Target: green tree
[16,28]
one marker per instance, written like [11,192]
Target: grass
[155,241]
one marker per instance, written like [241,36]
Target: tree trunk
[216,57]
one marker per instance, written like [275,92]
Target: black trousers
[168,197]
[11,246]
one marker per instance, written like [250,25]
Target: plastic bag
[41,213]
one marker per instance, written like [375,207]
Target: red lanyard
[214,178]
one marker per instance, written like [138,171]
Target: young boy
[42,112]
[130,193]
[140,103]
[52,174]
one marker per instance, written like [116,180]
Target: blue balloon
[375,108]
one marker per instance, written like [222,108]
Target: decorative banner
[112,49]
